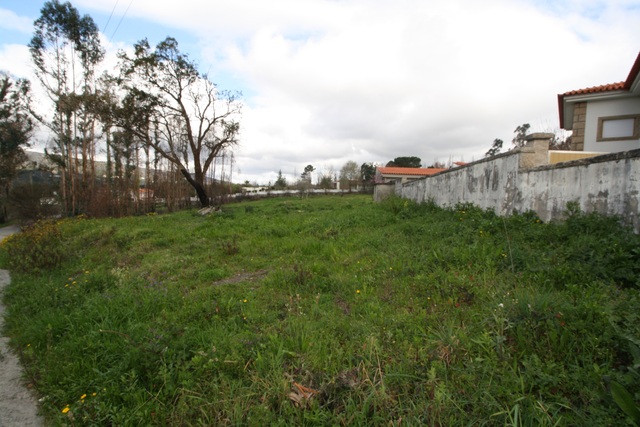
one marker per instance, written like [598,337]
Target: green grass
[327,311]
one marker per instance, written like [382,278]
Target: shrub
[32,202]
[36,249]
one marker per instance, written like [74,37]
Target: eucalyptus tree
[16,127]
[520,138]
[495,148]
[66,51]
[177,111]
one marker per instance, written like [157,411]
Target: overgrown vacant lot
[328,311]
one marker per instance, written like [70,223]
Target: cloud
[9,20]
[328,81]
[434,79]
[16,60]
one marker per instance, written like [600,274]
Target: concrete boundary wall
[522,180]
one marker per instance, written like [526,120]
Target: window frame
[636,128]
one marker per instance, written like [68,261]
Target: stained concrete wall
[383,190]
[608,184]
[523,180]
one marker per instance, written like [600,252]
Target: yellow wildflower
[65,410]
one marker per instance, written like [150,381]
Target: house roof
[596,89]
[631,86]
[409,171]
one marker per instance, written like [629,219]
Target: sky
[328,81]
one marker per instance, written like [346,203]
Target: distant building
[393,174]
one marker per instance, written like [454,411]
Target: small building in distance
[392,174]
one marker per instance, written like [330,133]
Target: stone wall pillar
[579,121]
[536,151]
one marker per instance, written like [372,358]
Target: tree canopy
[306,175]
[155,107]
[349,175]
[495,148]
[281,181]
[65,49]
[519,140]
[16,127]
[368,174]
[406,162]
[179,112]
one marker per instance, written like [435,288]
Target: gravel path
[18,406]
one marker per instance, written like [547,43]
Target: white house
[604,118]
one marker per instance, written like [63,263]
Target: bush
[36,249]
[32,202]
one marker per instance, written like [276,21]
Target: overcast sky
[327,81]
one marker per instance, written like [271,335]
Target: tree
[349,175]
[560,141]
[281,181]
[178,111]
[326,181]
[304,183]
[519,140]
[438,165]
[367,174]
[66,50]
[406,162]
[306,175]
[122,151]
[495,148]
[16,127]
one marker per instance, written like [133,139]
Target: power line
[109,20]
[121,19]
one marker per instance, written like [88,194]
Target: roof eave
[566,103]
[632,83]
[562,114]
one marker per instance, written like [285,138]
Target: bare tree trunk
[147,179]
[200,191]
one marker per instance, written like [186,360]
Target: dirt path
[18,406]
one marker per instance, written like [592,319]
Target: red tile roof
[409,171]
[596,89]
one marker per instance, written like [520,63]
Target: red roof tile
[597,89]
[409,171]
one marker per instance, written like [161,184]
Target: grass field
[329,311]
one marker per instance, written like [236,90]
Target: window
[618,128]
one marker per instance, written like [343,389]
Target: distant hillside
[37,160]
